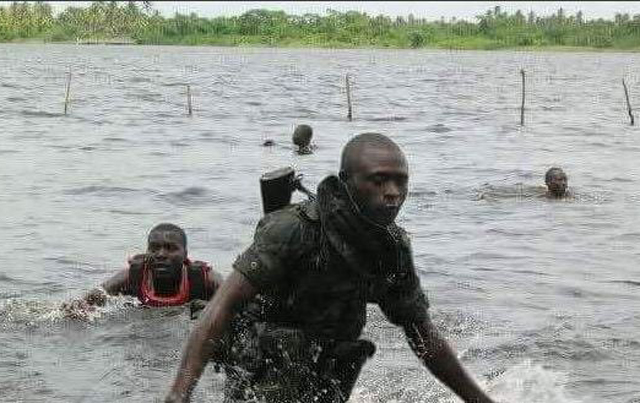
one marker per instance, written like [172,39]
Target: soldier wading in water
[286,323]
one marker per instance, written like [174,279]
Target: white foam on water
[364,395]
[34,312]
[399,390]
[530,383]
[523,383]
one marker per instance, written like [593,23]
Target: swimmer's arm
[116,285]
[119,284]
[207,333]
[439,358]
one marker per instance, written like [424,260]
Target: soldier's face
[379,183]
[166,254]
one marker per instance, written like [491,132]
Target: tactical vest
[197,276]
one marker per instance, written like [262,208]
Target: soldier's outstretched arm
[207,333]
[439,358]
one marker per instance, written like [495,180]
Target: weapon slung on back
[277,187]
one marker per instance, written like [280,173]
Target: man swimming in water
[556,188]
[302,136]
[287,322]
[557,182]
[163,276]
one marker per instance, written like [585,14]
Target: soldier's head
[166,250]
[377,174]
[556,181]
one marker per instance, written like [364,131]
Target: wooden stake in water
[626,95]
[66,97]
[522,103]
[190,111]
[349,108]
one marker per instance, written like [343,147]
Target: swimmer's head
[556,181]
[302,136]
[167,251]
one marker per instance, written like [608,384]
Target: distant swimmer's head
[556,181]
[377,174]
[167,251]
[302,136]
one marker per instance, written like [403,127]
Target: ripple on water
[140,79]
[629,283]
[115,140]
[392,118]
[44,114]
[87,148]
[575,349]
[503,352]
[193,195]
[127,212]
[438,128]
[100,190]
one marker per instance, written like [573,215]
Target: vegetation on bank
[138,22]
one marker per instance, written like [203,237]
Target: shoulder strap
[198,275]
[136,264]
[309,210]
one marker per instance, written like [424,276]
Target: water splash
[20,311]
[530,383]
[523,383]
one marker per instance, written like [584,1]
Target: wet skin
[379,182]
[557,184]
[166,256]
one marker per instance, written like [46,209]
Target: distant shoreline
[138,23]
[295,45]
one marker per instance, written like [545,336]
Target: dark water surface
[541,299]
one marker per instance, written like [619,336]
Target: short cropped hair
[547,176]
[356,144]
[168,227]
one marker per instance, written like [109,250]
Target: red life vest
[194,283]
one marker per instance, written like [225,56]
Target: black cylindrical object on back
[276,188]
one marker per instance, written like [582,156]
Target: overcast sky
[427,9]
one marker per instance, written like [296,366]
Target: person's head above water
[302,135]
[377,175]
[167,251]
[556,181]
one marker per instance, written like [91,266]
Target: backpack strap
[199,272]
[136,265]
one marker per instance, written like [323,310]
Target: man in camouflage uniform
[286,323]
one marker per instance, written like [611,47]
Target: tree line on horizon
[140,23]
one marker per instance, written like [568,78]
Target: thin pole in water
[349,107]
[626,95]
[190,111]
[522,103]
[66,97]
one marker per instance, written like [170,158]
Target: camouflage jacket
[316,272]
